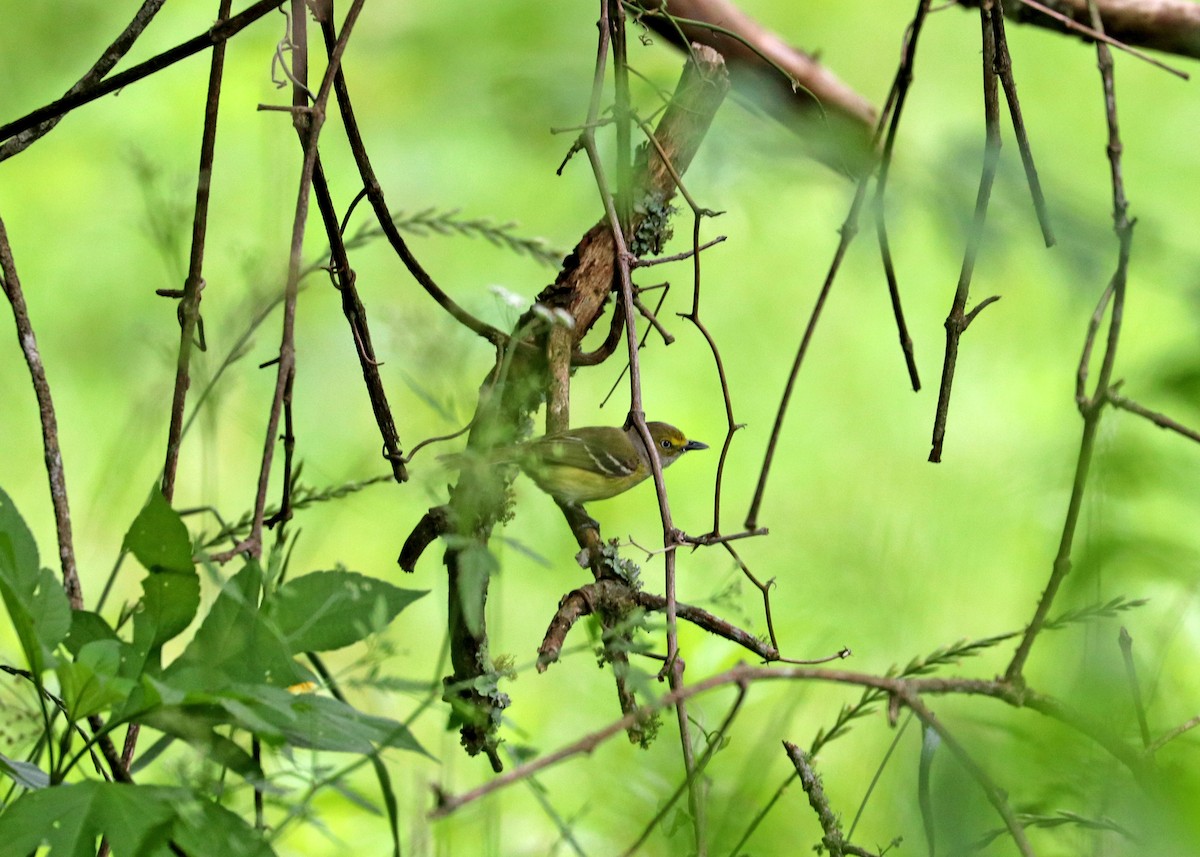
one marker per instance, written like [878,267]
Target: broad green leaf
[36,603]
[324,723]
[169,603]
[331,609]
[138,821]
[278,716]
[92,682]
[87,627]
[69,819]
[212,829]
[24,774]
[235,643]
[197,724]
[158,537]
[18,550]
[41,616]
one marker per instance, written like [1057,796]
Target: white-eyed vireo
[598,462]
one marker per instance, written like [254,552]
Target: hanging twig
[189,304]
[849,230]
[1091,407]
[959,318]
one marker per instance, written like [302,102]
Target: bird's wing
[580,449]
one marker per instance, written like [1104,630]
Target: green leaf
[92,682]
[323,723]
[196,723]
[24,774]
[87,627]
[36,603]
[69,819]
[18,550]
[212,829]
[235,643]
[277,716]
[929,745]
[138,821]
[331,609]
[169,603]
[158,537]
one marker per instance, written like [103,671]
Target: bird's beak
[695,444]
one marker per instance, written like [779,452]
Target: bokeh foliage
[871,547]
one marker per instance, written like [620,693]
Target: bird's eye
[666,443]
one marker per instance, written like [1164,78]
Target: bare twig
[1004,70]
[833,840]
[849,230]
[1158,743]
[108,58]
[959,318]
[894,110]
[386,224]
[602,595]
[1090,408]
[189,305]
[906,689]
[50,448]
[1160,420]
[219,32]
[311,121]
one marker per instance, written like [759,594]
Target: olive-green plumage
[598,462]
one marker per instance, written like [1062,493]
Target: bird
[598,462]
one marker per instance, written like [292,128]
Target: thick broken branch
[1171,26]
[832,118]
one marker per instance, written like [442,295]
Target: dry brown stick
[52,453]
[959,319]
[1009,82]
[833,840]
[189,304]
[108,58]
[614,595]
[903,688]
[383,215]
[310,120]
[895,110]
[1160,420]
[344,281]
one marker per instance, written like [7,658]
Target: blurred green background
[871,547]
